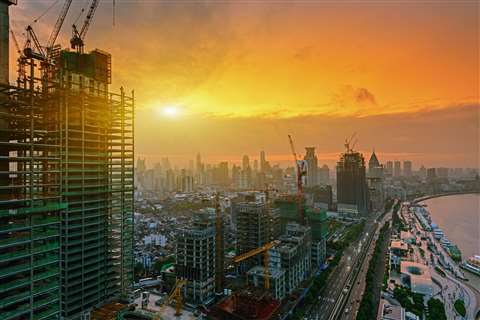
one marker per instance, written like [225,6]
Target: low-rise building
[417,277]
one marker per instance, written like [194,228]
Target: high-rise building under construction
[352,189]
[66,187]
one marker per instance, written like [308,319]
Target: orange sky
[242,75]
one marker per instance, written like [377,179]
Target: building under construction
[257,224]
[66,185]
[196,258]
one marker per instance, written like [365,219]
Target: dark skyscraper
[352,190]
[312,167]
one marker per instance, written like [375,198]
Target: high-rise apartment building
[352,189]
[66,189]
[311,166]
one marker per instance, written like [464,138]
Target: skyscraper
[312,167]
[397,169]
[352,190]
[375,183]
[389,168]
[407,168]
[324,175]
[68,211]
[263,162]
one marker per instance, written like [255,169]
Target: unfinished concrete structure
[257,224]
[66,200]
[256,278]
[317,220]
[293,255]
[195,258]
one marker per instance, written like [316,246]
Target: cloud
[443,137]
[354,98]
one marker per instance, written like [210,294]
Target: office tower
[255,165]
[184,182]
[263,161]
[422,172]
[245,174]
[442,172]
[245,162]
[375,181]
[397,169]
[68,213]
[431,174]
[220,174]
[236,176]
[312,167]
[352,190]
[407,168]
[257,224]
[324,175]
[195,258]
[389,168]
[198,163]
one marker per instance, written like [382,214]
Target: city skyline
[236,80]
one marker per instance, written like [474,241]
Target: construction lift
[266,259]
[301,172]
[78,37]
[175,295]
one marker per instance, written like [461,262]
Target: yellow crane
[266,258]
[175,295]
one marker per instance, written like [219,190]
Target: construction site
[66,177]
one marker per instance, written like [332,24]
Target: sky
[227,78]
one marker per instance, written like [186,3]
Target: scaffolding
[66,188]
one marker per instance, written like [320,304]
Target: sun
[168,111]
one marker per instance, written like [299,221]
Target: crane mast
[57,27]
[266,258]
[77,41]
[300,168]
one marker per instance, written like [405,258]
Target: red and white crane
[301,169]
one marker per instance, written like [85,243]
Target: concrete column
[4,40]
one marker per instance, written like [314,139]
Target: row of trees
[368,305]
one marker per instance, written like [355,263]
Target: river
[459,218]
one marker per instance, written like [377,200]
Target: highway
[343,289]
[330,303]
[358,287]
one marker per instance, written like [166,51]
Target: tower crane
[266,258]
[57,28]
[78,37]
[348,143]
[301,172]
[175,295]
[37,51]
